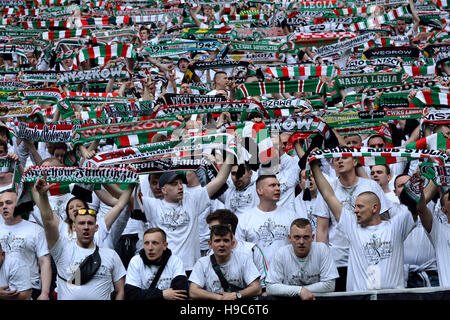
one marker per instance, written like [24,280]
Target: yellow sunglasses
[86,211]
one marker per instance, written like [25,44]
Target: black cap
[181,59]
[169,176]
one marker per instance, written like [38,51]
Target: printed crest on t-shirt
[375,250]
[302,277]
[269,232]
[174,217]
[240,200]
[11,242]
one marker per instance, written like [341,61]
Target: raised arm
[326,190]
[123,200]
[221,178]
[426,217]
[50,220]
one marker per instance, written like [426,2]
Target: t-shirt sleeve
[347,222]
[276,270]
[41,242]
[149,205]
[199,199]
[178,268]
[328,270]
[251,273]
[58,249]
[403,221]
[321,208]
[198,274]
[118,269]
[433,235]
[133,273]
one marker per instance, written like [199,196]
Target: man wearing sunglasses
[237,269]
[104,269]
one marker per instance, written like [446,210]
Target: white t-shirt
[257,255]
[239,271]
[440,238]
[418,250]
[305,209]
[68,255]
[317,266]
[58,205]
[347,196]
[180,222]
[28,240]
[376,252]
[288,177]
[203,227]
[240,201]
[269,230]
[141,276]
[15,274]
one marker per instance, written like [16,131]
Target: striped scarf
[102,54]
[427,98]
[435,141]
[414,71]
[102,21]
[261,88]
[376,21]
[302,71]
[61,34]
[257,131]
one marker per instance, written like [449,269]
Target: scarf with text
[126,133]
[85,175]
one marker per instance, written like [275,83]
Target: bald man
[376,246]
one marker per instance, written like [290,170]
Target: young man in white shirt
[303,267]
[177,214]
[69,255]
[236,267]
[376,246]
[15,280]
[267,224]
[420,256]
[288,172]
[140,283]
[439,234]
[347,187]
[241,195]
[381,174]
[227,217]
[28,240]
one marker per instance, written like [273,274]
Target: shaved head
[371,198]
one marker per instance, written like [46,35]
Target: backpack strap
[219,273]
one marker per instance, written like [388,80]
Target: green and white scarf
[261,88]
[80,175]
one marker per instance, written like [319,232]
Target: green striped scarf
[261,88]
